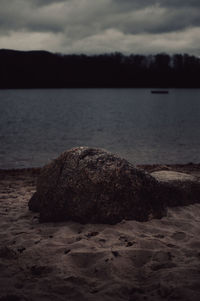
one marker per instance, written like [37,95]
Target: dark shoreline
[40,69]
[102,87]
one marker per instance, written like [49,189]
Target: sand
[154,260]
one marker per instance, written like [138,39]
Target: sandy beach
[154,260]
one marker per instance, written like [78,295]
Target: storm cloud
[88,26]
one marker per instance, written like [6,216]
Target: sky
[101,26]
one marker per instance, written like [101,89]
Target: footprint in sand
[162,260]
[162,256]
[178,235]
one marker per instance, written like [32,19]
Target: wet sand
[154,260]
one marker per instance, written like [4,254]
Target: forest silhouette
[42,69]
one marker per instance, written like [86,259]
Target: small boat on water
[159,91]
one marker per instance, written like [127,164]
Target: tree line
[42,69]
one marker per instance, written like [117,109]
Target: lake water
[37,125]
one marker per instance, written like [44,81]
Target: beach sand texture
[154,260]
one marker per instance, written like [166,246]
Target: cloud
[103,25]
[164,3]
[31,41]
[111,39]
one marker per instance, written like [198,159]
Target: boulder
[90,185]
[177,188]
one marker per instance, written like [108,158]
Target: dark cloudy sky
[96,26]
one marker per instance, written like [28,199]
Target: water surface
[37,125]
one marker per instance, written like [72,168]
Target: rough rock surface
[170,176]
[91,185]
[177,188]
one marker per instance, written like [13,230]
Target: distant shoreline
[43,69]
[98,87]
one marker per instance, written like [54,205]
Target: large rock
[91,185]
[177,188]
